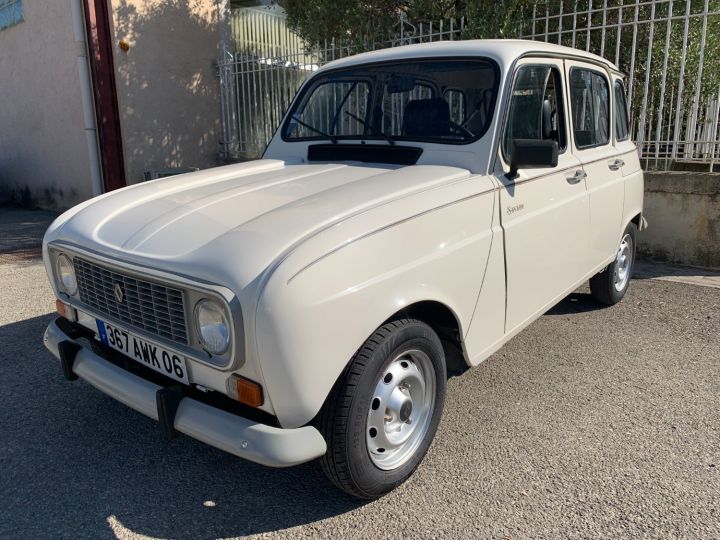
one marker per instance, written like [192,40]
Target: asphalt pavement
[592,423]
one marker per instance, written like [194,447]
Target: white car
[416,209]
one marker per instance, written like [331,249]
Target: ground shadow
[575,303]
[78,464]
[22,229]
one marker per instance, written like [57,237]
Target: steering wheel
[461,130]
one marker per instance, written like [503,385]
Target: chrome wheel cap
[623,263]
[401,409]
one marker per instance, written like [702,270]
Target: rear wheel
[384,411]
[609,286]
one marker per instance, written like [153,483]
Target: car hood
[252,211]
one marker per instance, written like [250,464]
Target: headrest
[426,118]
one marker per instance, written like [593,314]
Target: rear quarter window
[622,127]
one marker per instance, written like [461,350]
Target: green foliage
[348,21]
[374,21]
[496,18]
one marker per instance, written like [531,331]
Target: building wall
[167,86]
[43,150]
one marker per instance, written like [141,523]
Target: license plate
[149,354]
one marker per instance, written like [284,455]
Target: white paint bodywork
[319,255]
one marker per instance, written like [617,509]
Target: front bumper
[267,445]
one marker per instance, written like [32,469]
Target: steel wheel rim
[401,409]
[623,263]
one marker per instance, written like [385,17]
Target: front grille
[149,306]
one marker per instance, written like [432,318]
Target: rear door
[591,114]
[545,212]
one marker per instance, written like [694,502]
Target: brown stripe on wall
[97,21]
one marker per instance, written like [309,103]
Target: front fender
[312,316]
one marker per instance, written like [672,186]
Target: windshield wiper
[332,138]
[389,139]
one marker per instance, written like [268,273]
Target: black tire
[344,418]
[602,285]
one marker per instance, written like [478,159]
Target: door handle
[615,165]
[579,176]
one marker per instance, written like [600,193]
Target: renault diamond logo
[119,294]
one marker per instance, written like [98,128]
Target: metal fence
[669,49]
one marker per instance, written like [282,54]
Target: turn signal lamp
[245,391]
[64,310]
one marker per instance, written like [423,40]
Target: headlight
[213,326]
[66,274]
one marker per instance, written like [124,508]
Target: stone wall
[683,212]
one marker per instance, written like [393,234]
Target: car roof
[504,50]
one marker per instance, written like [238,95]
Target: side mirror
[532,154]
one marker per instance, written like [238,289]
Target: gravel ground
[592,423]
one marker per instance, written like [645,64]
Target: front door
[545,212]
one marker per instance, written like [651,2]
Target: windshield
[441,100]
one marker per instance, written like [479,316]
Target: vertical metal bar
[681,83]
[574,30]
[224,113]
[240,93]
[532,36]
[589,25]
[698,80]
[666,55]
[666,139]
[618,36]
[560,23]
[631,87]
[643,113]
[547,23]
[604,22]
[714,131]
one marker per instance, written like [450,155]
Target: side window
[590,105]
[622,129]
[536,107]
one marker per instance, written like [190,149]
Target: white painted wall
[168,91]
[43,150]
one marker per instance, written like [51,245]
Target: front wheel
[384,411]
[609,287]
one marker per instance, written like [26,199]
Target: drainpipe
[86,96]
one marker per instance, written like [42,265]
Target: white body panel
[318,255]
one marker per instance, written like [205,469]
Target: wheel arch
[446,324]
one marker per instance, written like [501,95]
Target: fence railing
[669,49]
